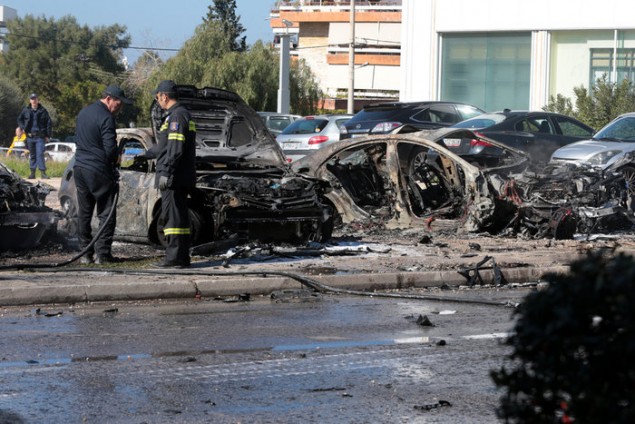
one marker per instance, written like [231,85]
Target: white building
[6,14]
[508,53]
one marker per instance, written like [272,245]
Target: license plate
[452,142]
[291,146]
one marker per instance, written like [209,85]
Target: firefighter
[175,174]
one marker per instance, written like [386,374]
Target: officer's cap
[166,86]
[116,92]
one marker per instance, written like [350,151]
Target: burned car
[407,180]
[244,187]
[24,218]
[410,180]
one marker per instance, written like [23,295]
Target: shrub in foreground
[573,348]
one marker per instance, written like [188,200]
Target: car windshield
[306,126]
[622,129]
[481,121]
[278,122]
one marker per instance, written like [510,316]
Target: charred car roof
[227,128]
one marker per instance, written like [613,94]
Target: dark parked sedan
[383,118]
[537,133]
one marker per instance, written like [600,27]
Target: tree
[252,74]
[305,91]
[224,13]
[55,58]
[10,106]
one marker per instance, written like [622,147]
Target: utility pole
[283,84]
[351,63]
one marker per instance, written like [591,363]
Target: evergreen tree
[59,58]
[224,13]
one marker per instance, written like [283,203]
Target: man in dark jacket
[175,174]
[35,121]
[96,174]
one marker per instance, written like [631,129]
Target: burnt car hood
[227,129]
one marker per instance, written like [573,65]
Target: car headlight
[603,157]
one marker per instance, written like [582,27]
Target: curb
[15,291]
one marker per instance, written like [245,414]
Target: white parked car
[59,151]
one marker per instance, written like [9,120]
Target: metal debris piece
[38,311]
[473,275]
[430,406]
[424,321]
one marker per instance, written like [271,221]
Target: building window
[490,70]
[602,64]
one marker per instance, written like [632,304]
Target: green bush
[573,356]
[598,105]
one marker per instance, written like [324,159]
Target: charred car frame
[244,187]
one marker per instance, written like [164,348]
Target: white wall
[424,20]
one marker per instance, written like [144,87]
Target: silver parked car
[276,122]
[613,147]
[309,134]
[607,146]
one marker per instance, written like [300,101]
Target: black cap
[33,96]
[116,92]
[165,86]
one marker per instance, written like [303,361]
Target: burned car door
[137,195]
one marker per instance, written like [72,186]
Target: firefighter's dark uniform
[176,161]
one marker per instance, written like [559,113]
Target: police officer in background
[95,170]
[175,174]
[35,121]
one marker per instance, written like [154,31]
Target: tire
[69,208]
[199,232]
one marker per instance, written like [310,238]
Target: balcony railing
[343,3]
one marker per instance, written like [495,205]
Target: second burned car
[413,181]
[244,187]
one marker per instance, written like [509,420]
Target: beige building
[321,34]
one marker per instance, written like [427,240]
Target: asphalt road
[299,357]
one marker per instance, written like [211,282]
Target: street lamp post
[283,84]
[351,63]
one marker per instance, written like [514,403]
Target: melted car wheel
[198,225]
[69,223]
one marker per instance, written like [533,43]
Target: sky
[156,23]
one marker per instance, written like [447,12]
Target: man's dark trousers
[95,189]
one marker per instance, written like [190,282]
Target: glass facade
[602,63]
[488,70]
